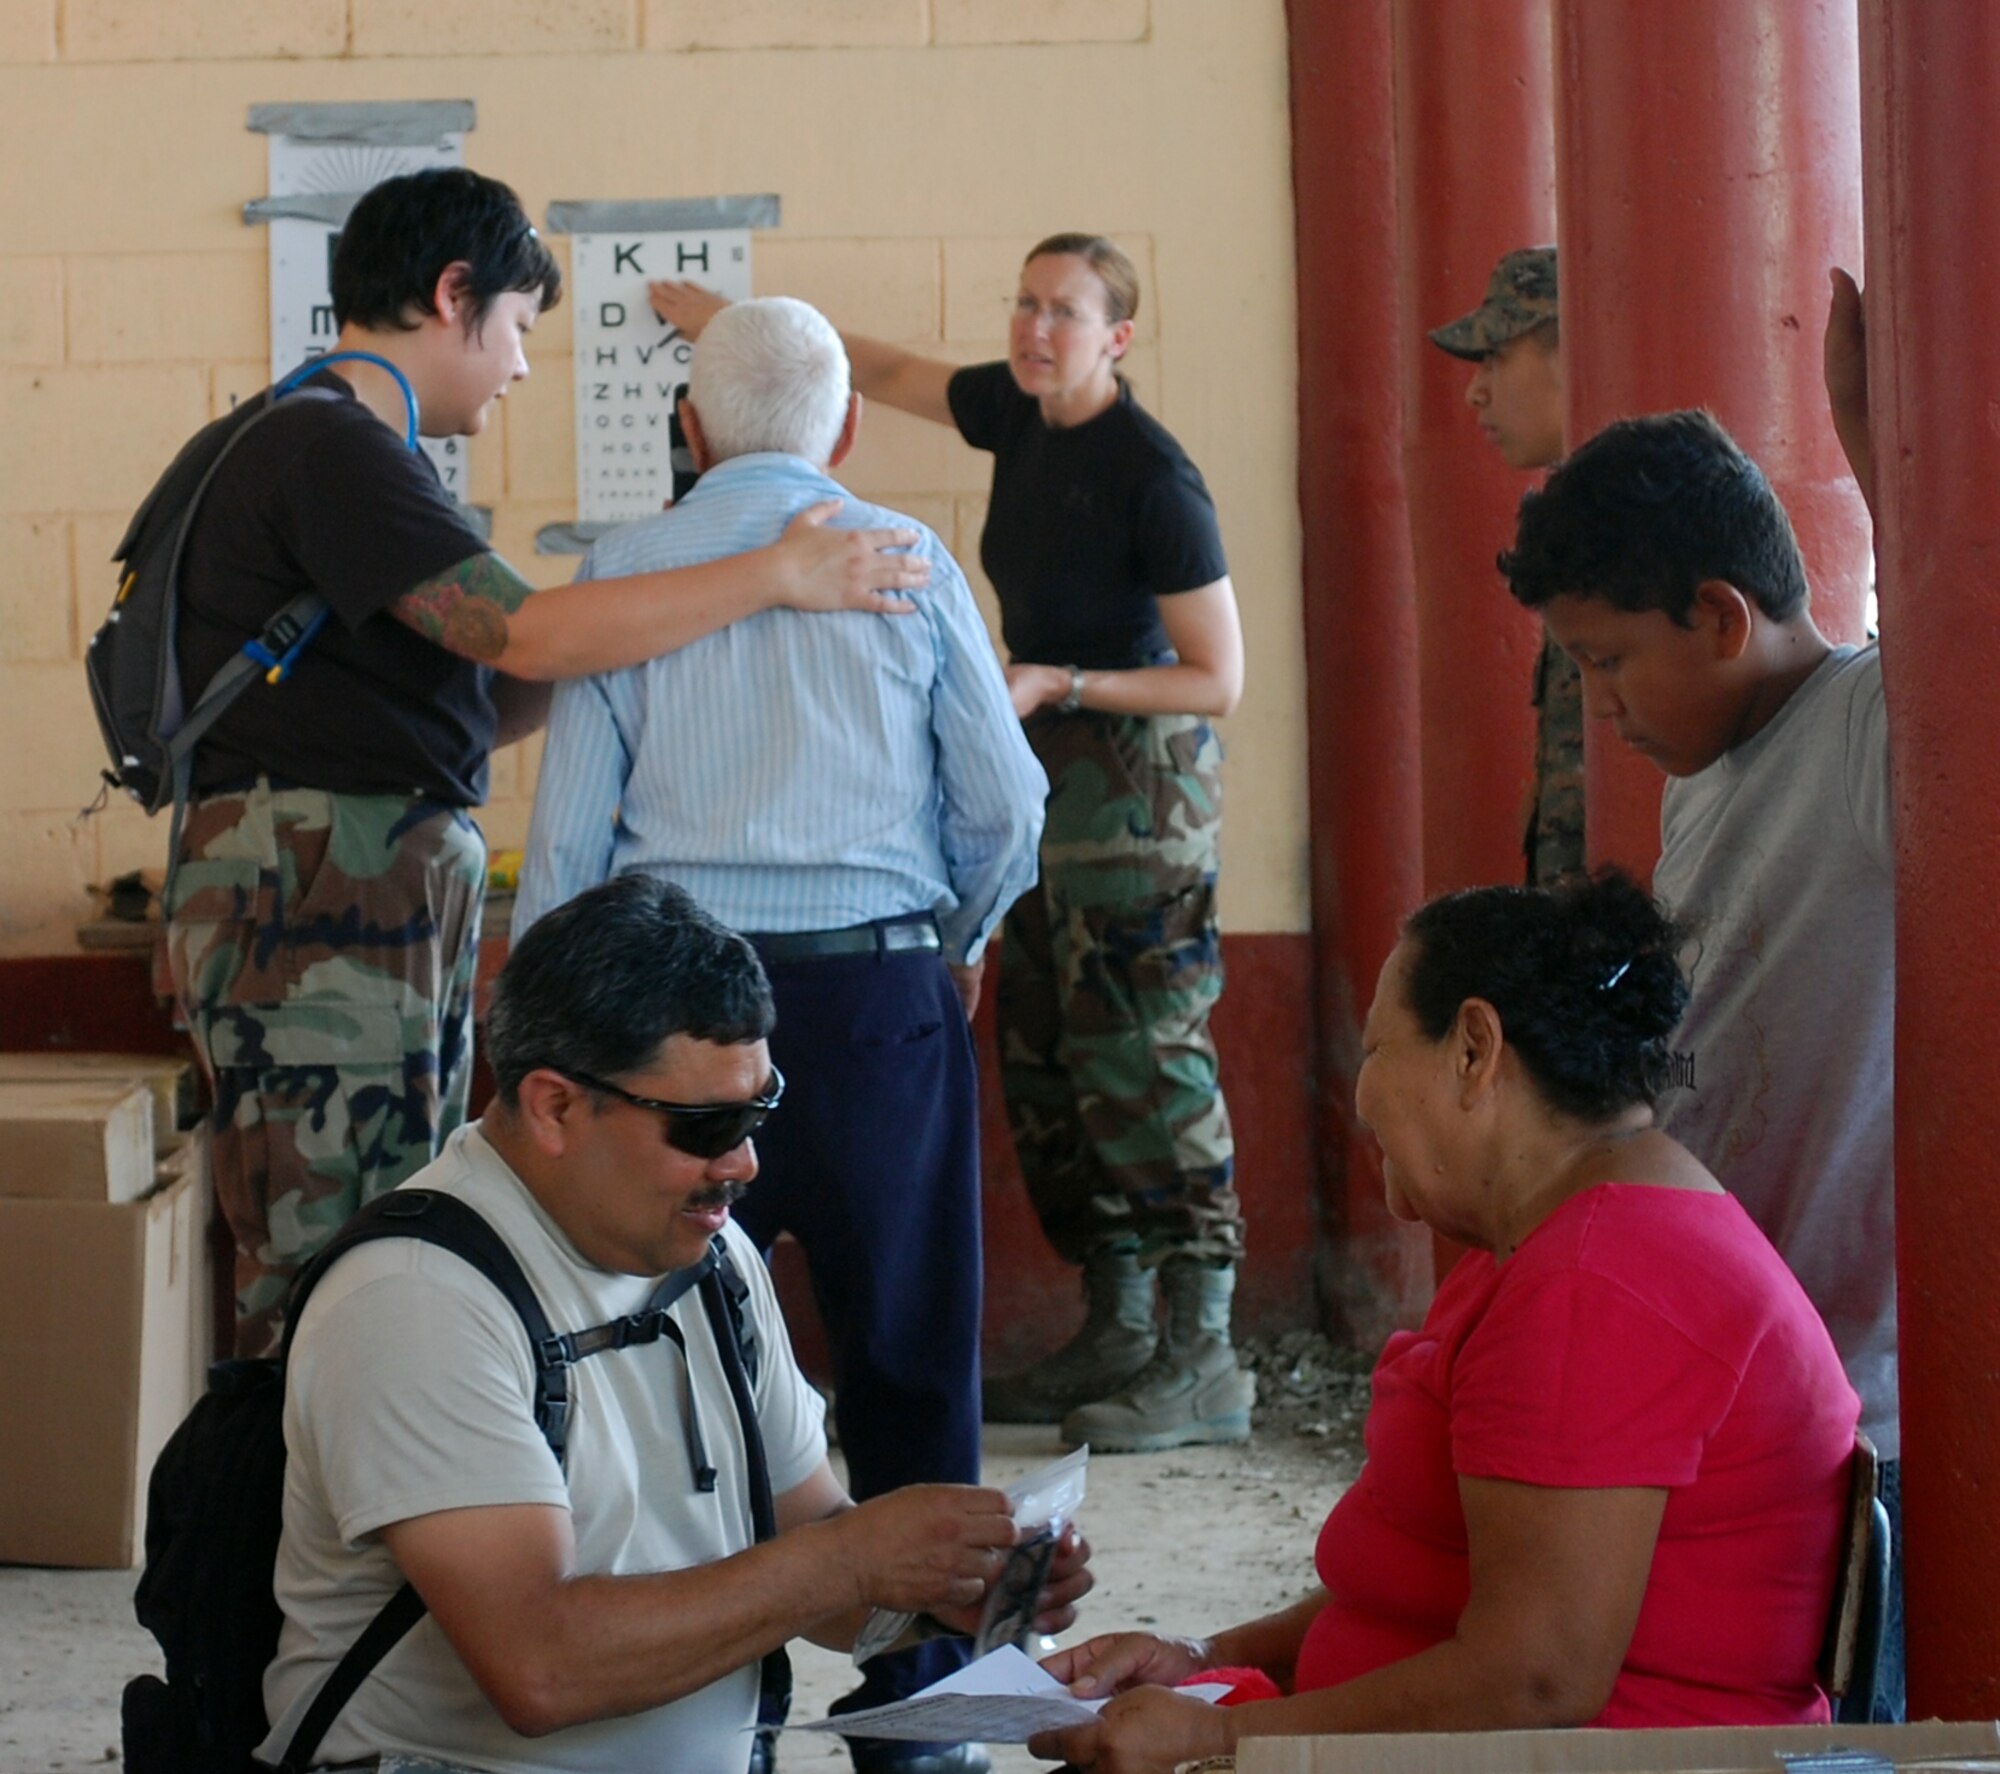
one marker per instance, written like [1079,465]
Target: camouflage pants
[1555,824]
[1112,964]
[323,949]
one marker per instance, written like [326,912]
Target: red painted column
[1360,618]
[1930,90]
[1475,178]
[1708,162]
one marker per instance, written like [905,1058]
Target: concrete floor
[1186,1541]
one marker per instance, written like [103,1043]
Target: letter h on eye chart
[631,367]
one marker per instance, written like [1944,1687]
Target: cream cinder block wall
[919,147]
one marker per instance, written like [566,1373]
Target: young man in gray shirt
[1663,564]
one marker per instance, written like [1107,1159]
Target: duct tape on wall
[664,215]
[397,123]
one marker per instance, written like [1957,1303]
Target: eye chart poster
[323,158]
[632,368]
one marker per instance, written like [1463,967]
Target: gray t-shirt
[411,1391]
[1779,856]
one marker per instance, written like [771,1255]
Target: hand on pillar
[1846,360]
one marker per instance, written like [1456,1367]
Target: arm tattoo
[465,608]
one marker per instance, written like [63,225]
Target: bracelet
[1073,700]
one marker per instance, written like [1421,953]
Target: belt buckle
[906,936]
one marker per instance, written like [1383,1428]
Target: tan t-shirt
[412,1391]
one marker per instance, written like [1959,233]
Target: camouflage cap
[1520,296]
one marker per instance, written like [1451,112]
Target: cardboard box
[174,1082]
[96,1316]
[76,1140]
[188,1157]
[1701,1751]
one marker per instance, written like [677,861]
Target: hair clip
[1617,973]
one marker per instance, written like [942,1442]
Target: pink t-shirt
[1639,1336]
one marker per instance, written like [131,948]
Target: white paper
[1003,1697]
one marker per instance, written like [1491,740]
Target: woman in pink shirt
[1606,1482]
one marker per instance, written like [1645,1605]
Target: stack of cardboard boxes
[106,1296]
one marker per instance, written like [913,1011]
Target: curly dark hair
[599,984]
[403,233]
[1645,512]
[1585,978]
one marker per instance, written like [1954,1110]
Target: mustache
[723,1194]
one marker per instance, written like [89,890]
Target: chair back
[1860,1589]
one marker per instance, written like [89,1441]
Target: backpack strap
[270,654]
[449,1223]
[456,1226]
[723,1293]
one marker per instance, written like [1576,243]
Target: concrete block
[899,455]
[49,738]
[1041,21]
[235,381]
[35,604]
[128,838]
[896,453]
[885,289]
[93,573]
[163,307]
[31,317]
[214,30]
[93,439]
[28,31]
[486,459]
[491,27]
[552,332]
[134,156]
[46,867]
[784,24]
[528,764]
[514,527]
[539,439]
[982,275]
[505,824]
[969,518]
[1141,367]
[502,776]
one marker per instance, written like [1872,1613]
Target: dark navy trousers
[872,1164]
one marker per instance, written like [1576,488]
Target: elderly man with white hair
[854,793]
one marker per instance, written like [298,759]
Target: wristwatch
[1073,700]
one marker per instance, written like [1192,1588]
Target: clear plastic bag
[1043,1504]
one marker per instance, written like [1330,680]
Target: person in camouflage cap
[1513,340]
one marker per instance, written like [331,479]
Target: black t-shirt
[324,497]
[1088,524]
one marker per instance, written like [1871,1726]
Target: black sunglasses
[701,1130]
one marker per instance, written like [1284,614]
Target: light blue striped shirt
[793,771]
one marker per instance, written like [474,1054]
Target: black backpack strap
[293,627]
[448,1222]
[723,1293]
[381,1636]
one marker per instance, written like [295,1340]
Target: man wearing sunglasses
[616,1608]
[858,796]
